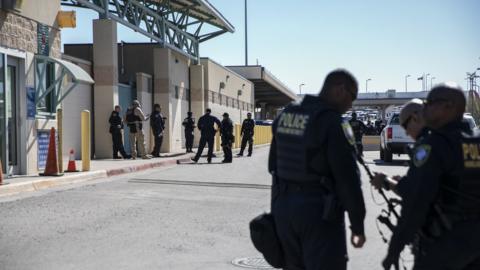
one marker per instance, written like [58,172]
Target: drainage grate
[252,263]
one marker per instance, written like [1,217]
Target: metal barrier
[262,135]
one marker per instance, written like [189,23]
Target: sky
[301,41]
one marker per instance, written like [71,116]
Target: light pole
[366,85]
[300,88]
[406,82]
[431,81]
[246,34]
[426,81]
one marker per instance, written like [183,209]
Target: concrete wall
[79,99]
[18,32]
[144,96]
[43,11]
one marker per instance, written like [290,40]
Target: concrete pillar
[105,68]
[263,112]
[197,86]
[162,91]
[144,96]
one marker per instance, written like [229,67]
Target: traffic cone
[72,167]
[51,168]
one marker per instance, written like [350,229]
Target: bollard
[85,140]
[217,141]
[60,140]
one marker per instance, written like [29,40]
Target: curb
[40,184]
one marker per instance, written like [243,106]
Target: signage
[42,39]
[31,106]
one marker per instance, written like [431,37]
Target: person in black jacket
[247,132]
[440,212]
[157,122]
[189,125]
[316,178]
[206,125]
[116,126]
[228,138]
[359,129]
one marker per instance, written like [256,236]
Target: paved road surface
[184,217]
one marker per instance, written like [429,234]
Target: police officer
[189,125]
[441,208]
[135,118]
[206,125]
[116,126]
[316,178]
[359,129]
[157,122]
[226,131]
[247,132]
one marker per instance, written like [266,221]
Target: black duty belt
[290,186]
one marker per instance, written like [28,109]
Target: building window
[46,106]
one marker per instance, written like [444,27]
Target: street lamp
[300,88]
[431,81]
[366,85]
[426,81]
[406,82]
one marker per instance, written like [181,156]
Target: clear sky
[301,41]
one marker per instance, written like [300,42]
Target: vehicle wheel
[387,156]
[382,154]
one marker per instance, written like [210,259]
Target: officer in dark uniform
[116,126]
[206,125]
[226,131]
[316,178]
[189,125]
[441,193]
[359,129]
[157,122]
[247,132]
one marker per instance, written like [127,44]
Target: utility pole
[406,82]
[246,34]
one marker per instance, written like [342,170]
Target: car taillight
[389,133]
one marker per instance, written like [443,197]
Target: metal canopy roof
[177,24]
[268,88]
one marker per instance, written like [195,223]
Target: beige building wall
[43,11]
[79,99]
[222,87]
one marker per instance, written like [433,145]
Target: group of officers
[207,124]
[313,161]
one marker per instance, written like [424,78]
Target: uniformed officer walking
[226,132]
[316,178]
[441,193]
[135,118]
[116,126]
[359,129]
[247,132]
[157,122]
[189,125]
[206,125]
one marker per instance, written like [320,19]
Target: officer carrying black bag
[265,239]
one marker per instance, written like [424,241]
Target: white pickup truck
[393,139]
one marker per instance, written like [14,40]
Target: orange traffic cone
[51,168]
[72,167]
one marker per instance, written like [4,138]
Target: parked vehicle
[393,139]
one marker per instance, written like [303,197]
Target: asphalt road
[183,217]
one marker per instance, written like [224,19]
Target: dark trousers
[308,241]
[246,139]
[458,249]
[158,145]
[203,141]
[117,143]
[189,140]
[227,151]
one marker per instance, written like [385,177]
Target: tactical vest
[134,122]
[293,128]
[465,198]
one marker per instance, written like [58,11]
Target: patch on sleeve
[347,129]
[421,154]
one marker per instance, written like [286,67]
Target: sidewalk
[98,169]
[101,168]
